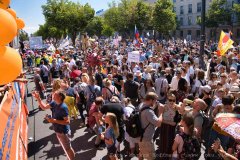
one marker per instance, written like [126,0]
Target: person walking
[60,120]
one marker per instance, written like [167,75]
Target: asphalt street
[43,143]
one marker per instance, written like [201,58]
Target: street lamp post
[202,41]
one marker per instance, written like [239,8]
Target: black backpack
[191,148]
[133,124]
[205,125]
[113,93]
[93,95]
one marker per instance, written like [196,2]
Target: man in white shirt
[175,79]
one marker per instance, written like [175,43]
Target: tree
[95,27]
[236,9]
[164,19]
[68,16]
[23,35]
[218,14]
[47,31]
[128,13]
[107,31]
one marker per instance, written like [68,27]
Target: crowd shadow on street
[55,152]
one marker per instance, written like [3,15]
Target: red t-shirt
[75,73]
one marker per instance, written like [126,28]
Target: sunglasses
[171,100]
[223,76]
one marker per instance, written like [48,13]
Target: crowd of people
[174,100]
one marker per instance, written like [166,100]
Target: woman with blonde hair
[109,90]
[56,86]
[111,134]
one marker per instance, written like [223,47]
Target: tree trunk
[74,36]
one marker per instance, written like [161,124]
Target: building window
[181,10]
[181,21]
[189,8]
[174,1]
[189,32]
[189,21]
[199,7]
[198,33]
[181,33]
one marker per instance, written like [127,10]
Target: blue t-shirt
[58,113]
[109,134]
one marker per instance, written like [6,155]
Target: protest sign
[134,56]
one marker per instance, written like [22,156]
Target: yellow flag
[224,44]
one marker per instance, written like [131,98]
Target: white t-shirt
[216,102]
[154,65]
[174,83]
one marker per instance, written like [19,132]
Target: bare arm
[42,105]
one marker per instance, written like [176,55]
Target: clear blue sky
[31,12]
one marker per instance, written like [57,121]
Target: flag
[148,34]
[224,44]
[136,32]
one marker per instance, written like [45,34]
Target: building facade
[189,11]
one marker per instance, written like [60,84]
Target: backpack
[191,148]
[92,96]
[133,124]
[82,97]
[113,93]
[205,125]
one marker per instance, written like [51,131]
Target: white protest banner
[36,42]
[134,56]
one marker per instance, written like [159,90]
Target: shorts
[112,150]
[121,136]
[45,79]
[132,141]
[64,140]
[147,150]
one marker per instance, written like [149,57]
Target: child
[110,135]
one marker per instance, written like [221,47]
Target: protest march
[134,97]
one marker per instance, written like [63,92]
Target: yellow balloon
[20,23]
[4,4]
[10,66]
[8,27]
[12,12]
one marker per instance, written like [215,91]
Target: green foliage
[164,19]
[107,30]
[128,13]
[95,27]
[68,16]
[218,13]
[236,9]
[23,36]
[48,31]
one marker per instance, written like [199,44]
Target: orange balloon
[8,27]
[10,66]
[20,23]
[12,12]
[4,4]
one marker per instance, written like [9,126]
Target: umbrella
[228,123]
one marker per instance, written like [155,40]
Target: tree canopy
[164,19]
[70,17]
[218,13]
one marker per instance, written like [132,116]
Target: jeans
[81,109]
